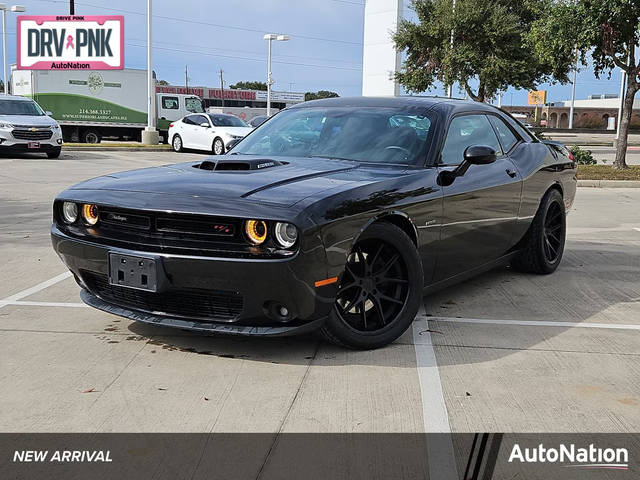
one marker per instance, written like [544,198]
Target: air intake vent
[238,165]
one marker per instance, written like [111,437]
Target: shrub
[582,157]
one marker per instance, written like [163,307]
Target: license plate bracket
[33,145]
[133,271]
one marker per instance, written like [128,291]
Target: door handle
[511,173]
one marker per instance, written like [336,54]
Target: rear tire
[176,143]
[543,244]
[55,153]
[379,292]
[91,136]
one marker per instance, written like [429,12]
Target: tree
[607,30]
[249,85]
[490,47]
[319,94]
[162,82]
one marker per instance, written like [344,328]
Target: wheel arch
[395,217]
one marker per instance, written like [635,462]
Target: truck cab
[173,106]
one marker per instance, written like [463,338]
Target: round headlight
[256,231]
[286,234]
[69,212]
[90,214]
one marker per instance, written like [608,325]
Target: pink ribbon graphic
[70,42]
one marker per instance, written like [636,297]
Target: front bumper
[258,283]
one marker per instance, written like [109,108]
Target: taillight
[170,125]
[571,156]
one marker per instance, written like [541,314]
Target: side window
[170,103]
[193,104]
[199,119]
[506,136]
[189,120]
[465,131]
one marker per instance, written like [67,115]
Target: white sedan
[207,131]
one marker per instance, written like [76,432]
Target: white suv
[26,128]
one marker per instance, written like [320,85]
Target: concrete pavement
[471,363]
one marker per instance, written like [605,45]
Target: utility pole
[186,78]
[72,7]
[222,87]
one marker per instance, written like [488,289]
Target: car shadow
[593,278]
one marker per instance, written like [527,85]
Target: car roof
[15,97]
[424,102]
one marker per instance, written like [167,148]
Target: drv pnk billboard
[58,42]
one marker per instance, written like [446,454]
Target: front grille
[38,134]
[193,304]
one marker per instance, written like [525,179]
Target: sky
[324,53]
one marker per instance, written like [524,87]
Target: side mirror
[479,155]
[205,125]
[473,155]
[48,113]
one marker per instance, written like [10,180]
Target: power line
[208,24]
[335,67]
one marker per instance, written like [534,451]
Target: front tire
[379,292]
[176,143]
[91,136]
[218,146]
[543,244]
[55,153]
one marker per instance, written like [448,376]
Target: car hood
[277,180]
[31,120]
[233,130]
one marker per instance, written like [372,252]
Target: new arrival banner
[52,42]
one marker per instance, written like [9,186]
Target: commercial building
[598,112]
[212,97]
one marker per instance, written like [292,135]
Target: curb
[609,183]
[116,149]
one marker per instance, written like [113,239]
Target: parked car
[337,215]
[207,131]
[26,128]
[257,121]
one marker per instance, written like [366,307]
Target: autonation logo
[572,456]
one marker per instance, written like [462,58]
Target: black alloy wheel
[553,233]
[374,286]
[542,247]
[379,292]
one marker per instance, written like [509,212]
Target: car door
[480,208]
[188,131]
[204,134]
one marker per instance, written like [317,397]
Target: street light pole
[14,8]
[270,37]
[573,92]
[453,13]
[150,135]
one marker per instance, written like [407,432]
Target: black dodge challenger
[336,215]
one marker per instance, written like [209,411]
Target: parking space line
[44,304]
[636,229]
[34,289]
[440,454]
[537,323]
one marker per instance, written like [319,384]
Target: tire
[390,300]
[91,136]
[217,147]
[543,244]
[54,153]
[176,143]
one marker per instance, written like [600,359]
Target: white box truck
[90,105]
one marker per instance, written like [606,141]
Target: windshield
[20,107]
[381,135]
[227,121]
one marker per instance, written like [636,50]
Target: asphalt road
[502,352]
